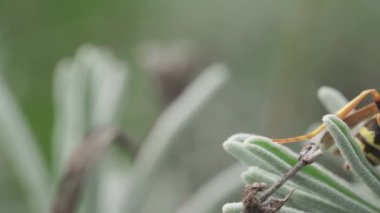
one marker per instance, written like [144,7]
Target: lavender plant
[88,90]
[82,101]
[316,188]
[82,89]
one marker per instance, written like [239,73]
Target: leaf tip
[329,117]
[232,208]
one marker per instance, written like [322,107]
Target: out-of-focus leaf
[19,147]
[215,191]
[167,126]
[331,99]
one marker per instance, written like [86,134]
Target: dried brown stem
[265,203]
[81,161]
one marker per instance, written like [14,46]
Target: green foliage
[351,152]
[20,149]
[82,96]
[317,189]
[157,144]
[88,90]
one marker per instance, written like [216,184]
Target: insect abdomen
[368,139]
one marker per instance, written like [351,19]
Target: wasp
[368,136]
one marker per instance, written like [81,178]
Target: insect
[368,136]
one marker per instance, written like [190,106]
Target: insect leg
[378,119]
[342,113]
[361,114]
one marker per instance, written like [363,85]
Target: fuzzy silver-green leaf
[351,152]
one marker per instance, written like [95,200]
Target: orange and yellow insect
[368,137]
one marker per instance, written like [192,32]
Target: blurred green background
[279,54]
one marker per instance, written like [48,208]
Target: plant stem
[308,154]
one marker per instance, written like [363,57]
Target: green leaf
[232,208]
[278,159]
[19,148]
[220,187]
[152,154]
[88,89]
[331,99]
[238,207]
[301,199]
[351,152]
[313,177]
[240,152]
[290,210]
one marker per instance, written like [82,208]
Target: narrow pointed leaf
[351,152]
[220,187]
[301,199]
[158,142]
[232,208]
[19,147]
[312,174]
[308,182]
[331,99]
